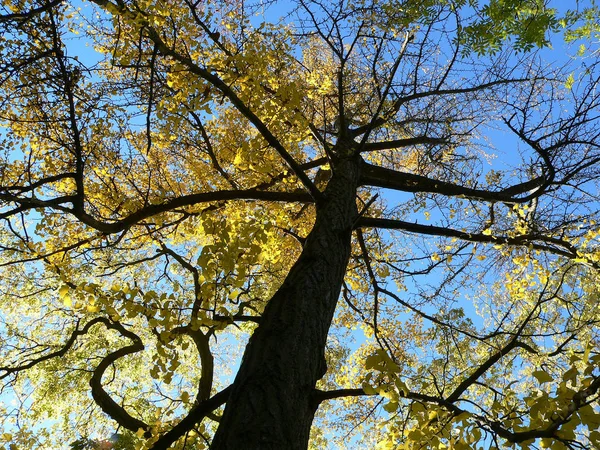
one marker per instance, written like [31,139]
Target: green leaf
[391,407]
[542,376]
[369,390]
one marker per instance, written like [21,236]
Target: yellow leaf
[570,81]
[63,291]
[238,160]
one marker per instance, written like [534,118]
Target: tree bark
[271,405]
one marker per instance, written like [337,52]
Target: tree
[326,185]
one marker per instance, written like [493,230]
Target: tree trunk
[271,404]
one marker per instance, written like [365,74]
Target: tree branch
[562,417]
[101,397]
[406,142]
[28,15]
[381,120]
[196,414]
[229,93]
[320,396]
[151,210]
[56,354]
[552,245]
[372,175]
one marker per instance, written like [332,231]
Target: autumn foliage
[290,225]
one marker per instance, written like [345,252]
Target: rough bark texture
[271,405]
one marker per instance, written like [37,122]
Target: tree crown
[163,163]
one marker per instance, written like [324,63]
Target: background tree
[388,207]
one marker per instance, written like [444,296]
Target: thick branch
[549,244]
[372,175]
[187,200]
[321,396]
[202,343]
[101,397]
[151,210]
[406,142]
